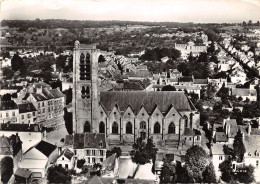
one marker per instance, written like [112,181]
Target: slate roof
[20,127]
[134,85]
[24,173]
[8,105]
[68,140]
[147,99]
[56,93]
[5,147]
[41,84]
[47,93]
[221,137]
[28,107]
[140,73]
[44,147]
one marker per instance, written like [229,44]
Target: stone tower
[85,88]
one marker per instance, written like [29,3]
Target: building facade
[123,116]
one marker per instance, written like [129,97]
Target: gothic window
[82,67]
[186,121]
[142,125]
[87,69]
[83,91]
[129,128]
[115,128]
[101,127]
[87,92]
[157,128]
[171,129]
[86,127]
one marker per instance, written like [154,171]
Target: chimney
[227,129]
[243,135]
[249,128]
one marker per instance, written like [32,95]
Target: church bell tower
[85,88]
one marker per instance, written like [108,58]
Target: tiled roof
[252,143]
[45,148]
[28,107]
[68,140]
[56,93]
[200,81]
[46,92]
[147,99]
[5,148]
[243,92]
[39,97]
[218,149]
[140,73]
[7,105]
[135,85]
[221,137]
[20,127]
[95,140]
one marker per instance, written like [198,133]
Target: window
[28,115]
[43,110]
[33,113]
[13,113]
[43,104]
[220,157]
[62,158]
[39,105]
[186,121]
[88,160]
[115,128]
[75,152]
[171,129]
[66,166]
[87,127]
[101,159]
[257,163]
[22,116]
[129,128]
[157,128]
[93,160]
[101,152]
[93,152]
[49,109]
[101,127]
[29,121]
[87,152]
[142,125]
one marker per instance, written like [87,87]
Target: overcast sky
[202,11]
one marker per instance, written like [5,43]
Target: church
[124,116]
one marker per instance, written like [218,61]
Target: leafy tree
[80,163]
[116,150]
[7,97]
[60,62]
[101,59]
[168,170]
[239,147]
[209,175]
[68,94]
[6,168]
[196,160]
[17,62]
[168,88]
[143,153]
[58,174]
[226,171]
[8,73]
[247,176]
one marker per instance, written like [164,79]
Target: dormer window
[101,144]
[142,114]
[249,154]
[173,114]
[114,113]
[128,114]
[157,114]
[101,113]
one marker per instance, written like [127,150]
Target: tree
[209,175]
[60,62]
[17,62]
[143,153]
[7,97]
[226,171]
[101,59]
[168,88]
[68,94]
[6,167]
[168,170]
[80,163]
[247,176]
[58,174]
[239,147]
[116,150]
[68,121]
[8,73]
[196,161]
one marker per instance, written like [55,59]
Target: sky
[198,11]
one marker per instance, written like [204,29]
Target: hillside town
[129,102]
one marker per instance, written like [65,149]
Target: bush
[58,174]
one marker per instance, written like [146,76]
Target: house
[30,134]
[66,159]
[27,113]
[9,112]
[39,158]
[12,147]
[23,176]
[89,146]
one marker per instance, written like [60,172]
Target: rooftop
[8,105]
[23,173]
[28,107]
[221,137]
[20,127]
